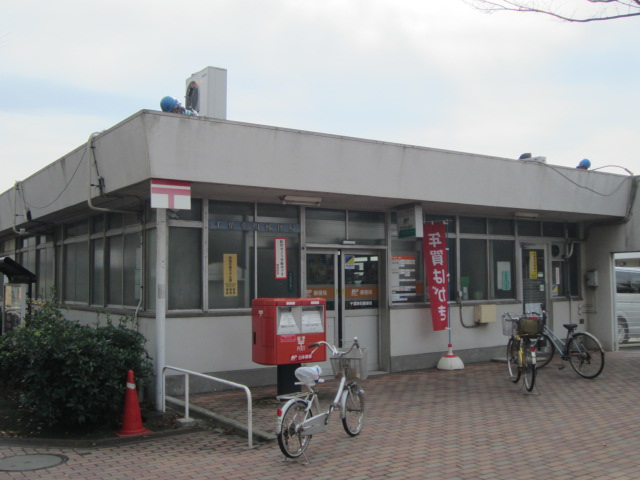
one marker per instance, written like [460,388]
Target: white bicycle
[296,420]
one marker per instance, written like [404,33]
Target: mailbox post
[282,328]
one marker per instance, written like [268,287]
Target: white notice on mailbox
[287,324]
[312,321]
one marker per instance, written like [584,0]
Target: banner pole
[449,361]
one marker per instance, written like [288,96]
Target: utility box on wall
[283,327]
[484,313]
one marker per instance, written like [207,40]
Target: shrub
[71,375]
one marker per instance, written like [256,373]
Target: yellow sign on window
[230,270]
[533,265]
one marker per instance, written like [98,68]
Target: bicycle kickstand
[304,454]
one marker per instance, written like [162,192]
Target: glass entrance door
[349,282]
[534,278]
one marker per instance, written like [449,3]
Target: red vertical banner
[436,262]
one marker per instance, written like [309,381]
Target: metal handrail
[215,379]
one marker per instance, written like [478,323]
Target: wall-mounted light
[300,200]
[526,215]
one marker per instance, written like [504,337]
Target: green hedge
[71,375]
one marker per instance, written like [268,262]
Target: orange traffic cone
[131,420]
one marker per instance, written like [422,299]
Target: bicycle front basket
[509,324]
[354,365]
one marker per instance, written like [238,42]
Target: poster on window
[280,248]
[230,274]
[436,262]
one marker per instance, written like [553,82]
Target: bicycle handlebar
[333,349]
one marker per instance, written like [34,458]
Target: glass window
[130,219]
[116,258]
[230,269]
[27,259]
[97,224]
[150,291]
[552,229]
[185,268]
[453,275]
[473,225]
[361,281]
[82,272]
[114,220]
[558,278]
[503,254]
[76,278]
[529,228]
[45,271]
[501,226]
[321,277]
[194,214]
[132,269]
[473,269]
[574,273]
[97,287]
[268,285]
[325,226]
[367,228]
[82,227]
[69,272]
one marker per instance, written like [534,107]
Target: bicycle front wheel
[353,413]
[512,360]
[290,439]
[529,368]
[544,351]
[586,355]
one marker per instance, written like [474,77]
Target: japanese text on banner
[436,260]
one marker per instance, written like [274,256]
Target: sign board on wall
[230,270]
[410,222]
[280,255]
[173,194]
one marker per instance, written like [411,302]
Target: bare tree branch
[599,10]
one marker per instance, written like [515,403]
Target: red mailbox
[283,327]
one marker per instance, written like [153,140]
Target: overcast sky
[435,74]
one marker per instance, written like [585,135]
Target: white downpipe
[90,163]
[16,187]
[162,241]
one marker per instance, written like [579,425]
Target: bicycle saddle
[570,326]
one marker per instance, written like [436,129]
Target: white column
[162,242]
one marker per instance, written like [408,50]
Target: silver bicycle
[297,423]
[581,349]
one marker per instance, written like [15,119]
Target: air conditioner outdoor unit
[207,93]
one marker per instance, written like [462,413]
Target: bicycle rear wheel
[586,355]
[544,350]
[529,368]
[291,441]
[353,413]
[512,360]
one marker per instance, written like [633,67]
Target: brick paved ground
[431,424]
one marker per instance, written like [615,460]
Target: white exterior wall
[254,163]
[267,162]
